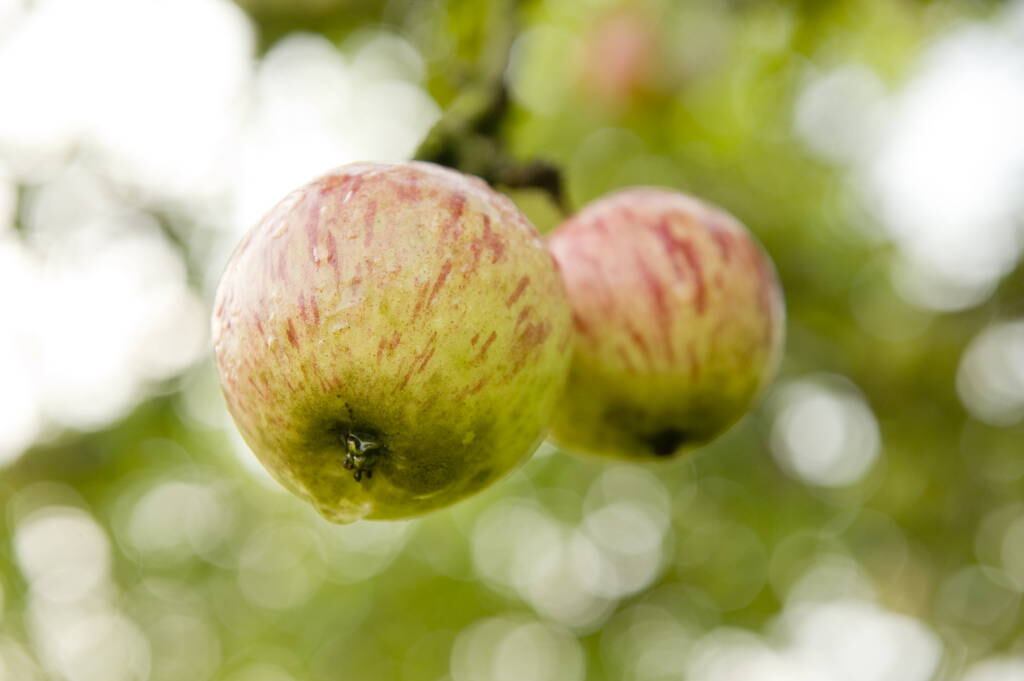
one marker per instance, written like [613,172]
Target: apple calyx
[362,454]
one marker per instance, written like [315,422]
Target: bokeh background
[864,523]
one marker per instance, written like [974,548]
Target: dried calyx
[362,452]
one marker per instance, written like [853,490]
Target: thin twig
[469,135]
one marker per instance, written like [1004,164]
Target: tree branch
[469,136]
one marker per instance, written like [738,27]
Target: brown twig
[469,136]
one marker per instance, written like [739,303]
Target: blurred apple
[679,324]
[621,57]
[391,339]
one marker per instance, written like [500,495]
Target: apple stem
[361,454]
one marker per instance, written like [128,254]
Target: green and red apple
[391,338]
[679,321]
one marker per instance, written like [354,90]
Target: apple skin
[679,321]
[391,338]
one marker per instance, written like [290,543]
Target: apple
[621,57]
[391,338]
[679,321]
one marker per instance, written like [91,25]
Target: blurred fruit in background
[622,59]
[679,323]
